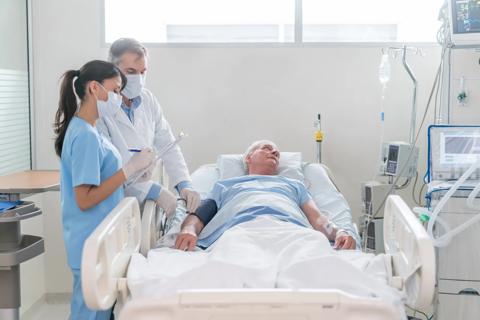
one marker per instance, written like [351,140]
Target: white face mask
[135,84]
[106,108]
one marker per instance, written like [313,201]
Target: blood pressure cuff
[206,211]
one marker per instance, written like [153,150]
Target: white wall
[227,96]
[13,35]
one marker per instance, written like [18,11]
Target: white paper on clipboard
[158,157]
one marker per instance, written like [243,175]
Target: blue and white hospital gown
[244,198]
[87,159]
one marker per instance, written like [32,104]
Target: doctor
[139,123]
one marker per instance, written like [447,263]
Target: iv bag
[384,70]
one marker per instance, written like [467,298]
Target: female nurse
[91,173]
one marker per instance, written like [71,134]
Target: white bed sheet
[263,253]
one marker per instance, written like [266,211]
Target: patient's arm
[321,223]
[188,235]
[194,223]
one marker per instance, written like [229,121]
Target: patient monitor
[464,22]
[452,150]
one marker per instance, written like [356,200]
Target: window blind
[15,151]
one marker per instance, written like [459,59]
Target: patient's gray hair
[254,146]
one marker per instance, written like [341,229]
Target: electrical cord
[420,193]
[422,313]
[404,185]
[413,190]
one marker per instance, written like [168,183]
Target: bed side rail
[412,252]
[107,252]
[151,230]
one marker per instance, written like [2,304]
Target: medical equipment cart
[16,247]
[453,151]
[458,272]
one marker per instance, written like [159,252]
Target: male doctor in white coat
[140,123]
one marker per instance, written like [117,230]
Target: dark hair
[123,45]
[95,70]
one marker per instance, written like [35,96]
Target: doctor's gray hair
[124,45]
[254,146]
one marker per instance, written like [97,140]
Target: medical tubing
[445,238]
[472,196]
[382,133]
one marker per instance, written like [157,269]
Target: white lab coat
[149,129]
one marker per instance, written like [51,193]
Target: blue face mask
[135,84]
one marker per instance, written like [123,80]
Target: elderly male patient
[260,193]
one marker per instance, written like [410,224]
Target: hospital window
[15,147]
[271,21]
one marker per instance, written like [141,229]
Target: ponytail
[67,106]
[74,84]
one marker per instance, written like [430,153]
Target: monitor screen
[465,16]
[459,149]
[393,153]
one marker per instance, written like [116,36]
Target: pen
[134,150]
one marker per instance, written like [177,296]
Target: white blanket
[263,253]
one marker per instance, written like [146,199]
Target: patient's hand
[186,239]
[344,242]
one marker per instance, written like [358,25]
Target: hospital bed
[108,250]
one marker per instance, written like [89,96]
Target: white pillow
[232,165]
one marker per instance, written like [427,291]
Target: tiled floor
[55,311]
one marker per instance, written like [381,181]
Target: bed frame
[107,252]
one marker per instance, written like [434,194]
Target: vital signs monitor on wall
[465,22]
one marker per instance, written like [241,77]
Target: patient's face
[266,157]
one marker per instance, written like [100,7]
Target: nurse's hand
[147,176]
[186,239]
[167,201]
[343,241]
[192,198]
[138,162]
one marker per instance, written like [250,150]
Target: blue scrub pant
[78,308]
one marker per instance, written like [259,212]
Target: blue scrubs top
[87,158]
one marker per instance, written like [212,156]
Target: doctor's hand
[186,239]
[192,198]
[167,201]
[139,161]
[343,241]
